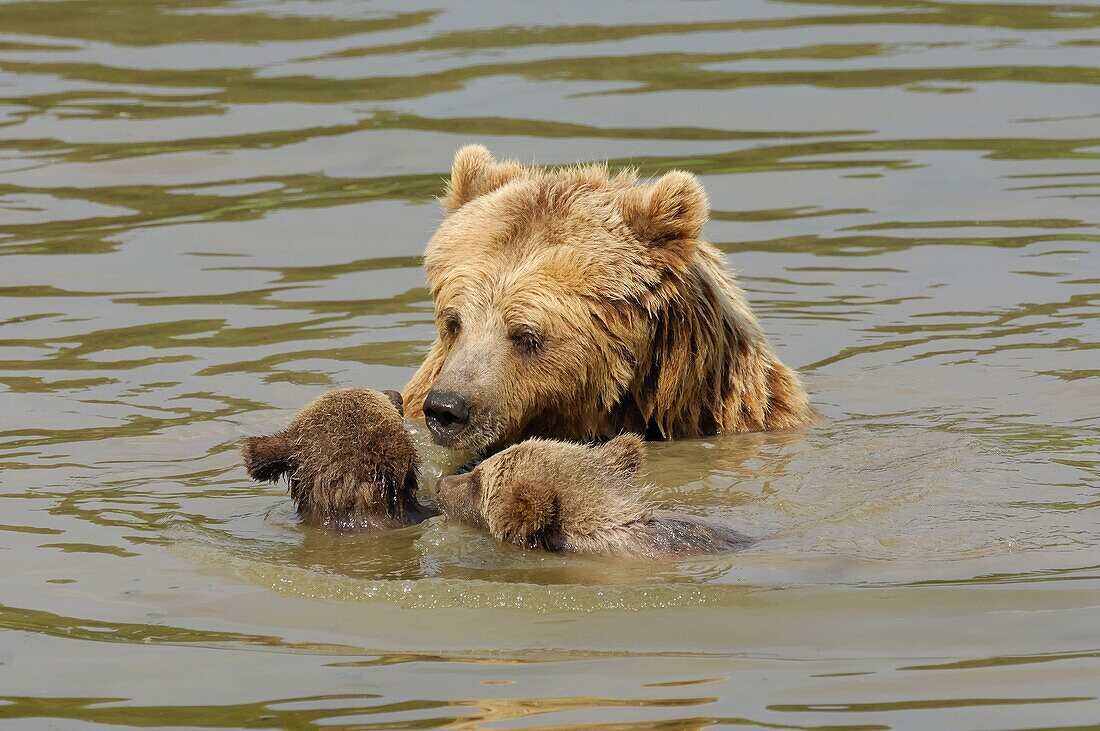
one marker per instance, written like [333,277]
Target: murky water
[210,211]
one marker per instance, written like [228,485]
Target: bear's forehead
[501,244]
[540,211]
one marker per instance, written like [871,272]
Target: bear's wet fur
[349,461]
[542,494]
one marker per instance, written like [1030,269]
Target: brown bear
[559,496]
[575,304]
[349,461]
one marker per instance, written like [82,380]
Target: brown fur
[575,304]
[349,461]
[558,496]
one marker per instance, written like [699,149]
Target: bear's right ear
[625,453]
[267,458]
[475,173]
[667,216]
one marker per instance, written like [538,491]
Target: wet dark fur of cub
[349,462]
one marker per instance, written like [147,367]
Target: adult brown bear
[575,304]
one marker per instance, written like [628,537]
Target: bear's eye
[450,323]
[526,339]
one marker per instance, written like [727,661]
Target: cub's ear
[475,173]
[267,458]
[396,400]
[668,216]
[527,515]
[625,452]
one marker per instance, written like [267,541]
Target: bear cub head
[558,496]
[349,462]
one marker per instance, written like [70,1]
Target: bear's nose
[446,414]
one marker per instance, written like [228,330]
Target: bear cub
[559,496]
[350,463]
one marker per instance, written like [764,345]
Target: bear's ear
[668,216]
[625,453]
[475,173]
[527,515]
[267,458]
[396,400]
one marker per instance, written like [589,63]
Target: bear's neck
[711,368]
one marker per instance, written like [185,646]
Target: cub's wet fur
[350,463]
[559,496]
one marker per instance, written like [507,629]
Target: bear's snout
[446,415]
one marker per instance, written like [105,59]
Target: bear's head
[348,459]
[549,289]
[544,494]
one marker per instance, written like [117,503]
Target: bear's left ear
[668,216]
[266,459]
[396,400]
[474,173]
[625,453]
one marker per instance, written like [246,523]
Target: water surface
[212,211]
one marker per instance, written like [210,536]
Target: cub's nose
[446,414]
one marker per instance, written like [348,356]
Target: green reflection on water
[139,23]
